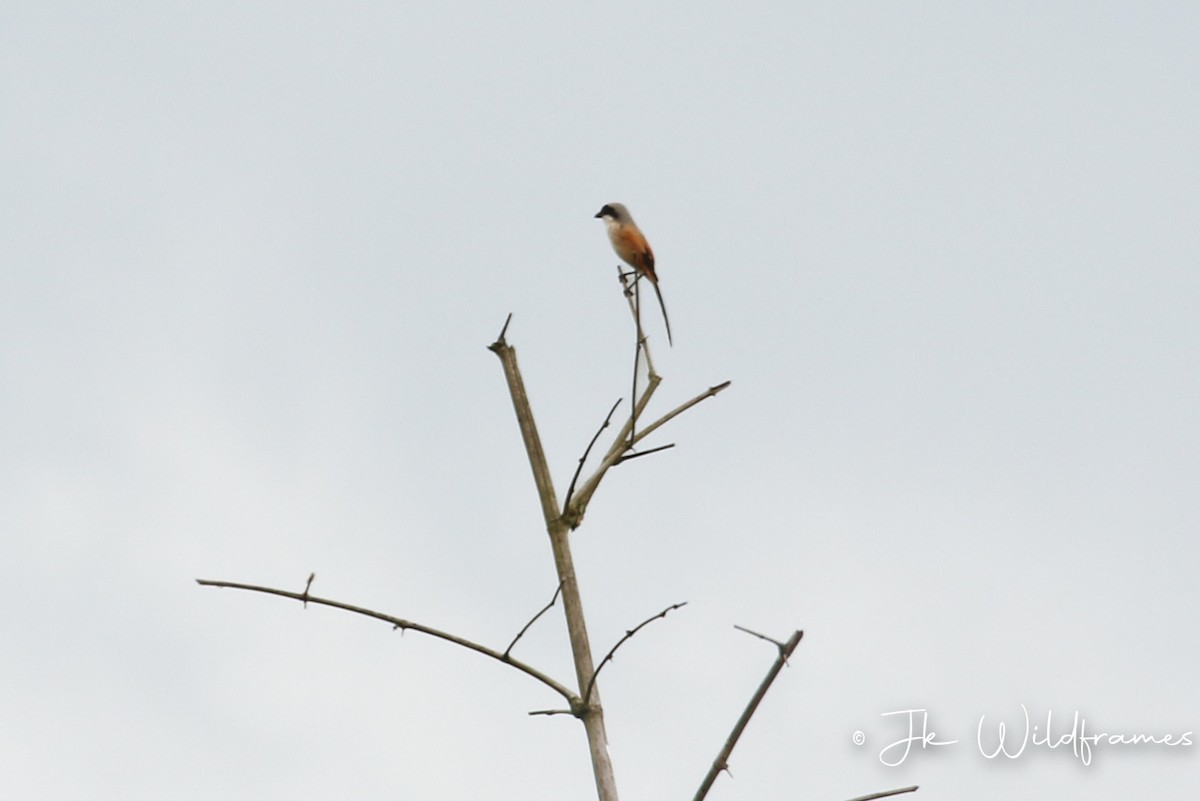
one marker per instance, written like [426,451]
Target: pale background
[251,255]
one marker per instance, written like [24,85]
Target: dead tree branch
[616,452]
[402,624]
[680,409]
[885,794]
[722,761]
[628,636]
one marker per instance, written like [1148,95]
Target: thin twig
[641,347]
[753,633]
[586,452]
[587,694]
[722,761]
[533,620]
[638,339]
[885,794]
[627,456]
[307,586]
[631,297]
[407,624]
[504,330]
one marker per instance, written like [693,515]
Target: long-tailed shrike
[631,245]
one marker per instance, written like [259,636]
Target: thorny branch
[722,761]
[558,525]
[401,624]
[587,694]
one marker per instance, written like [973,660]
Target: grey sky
[250,258]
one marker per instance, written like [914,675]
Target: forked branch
[627,438]
[617,451]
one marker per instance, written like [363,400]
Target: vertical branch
[637,353]
[590,713]
[529,432]
[631,297]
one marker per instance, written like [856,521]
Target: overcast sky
[251,256]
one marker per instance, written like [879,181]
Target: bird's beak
[599,213]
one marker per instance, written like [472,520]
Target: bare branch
[885,794]
[753,633]
[722,761]
[624,440]
[628,635]
[533,620]
[396,622]
[586,452]
[616,453]
[549,712]
[678,410]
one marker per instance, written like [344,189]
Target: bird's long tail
[663,306]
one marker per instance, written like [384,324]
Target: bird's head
[614,213]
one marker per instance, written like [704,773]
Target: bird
[631,246]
